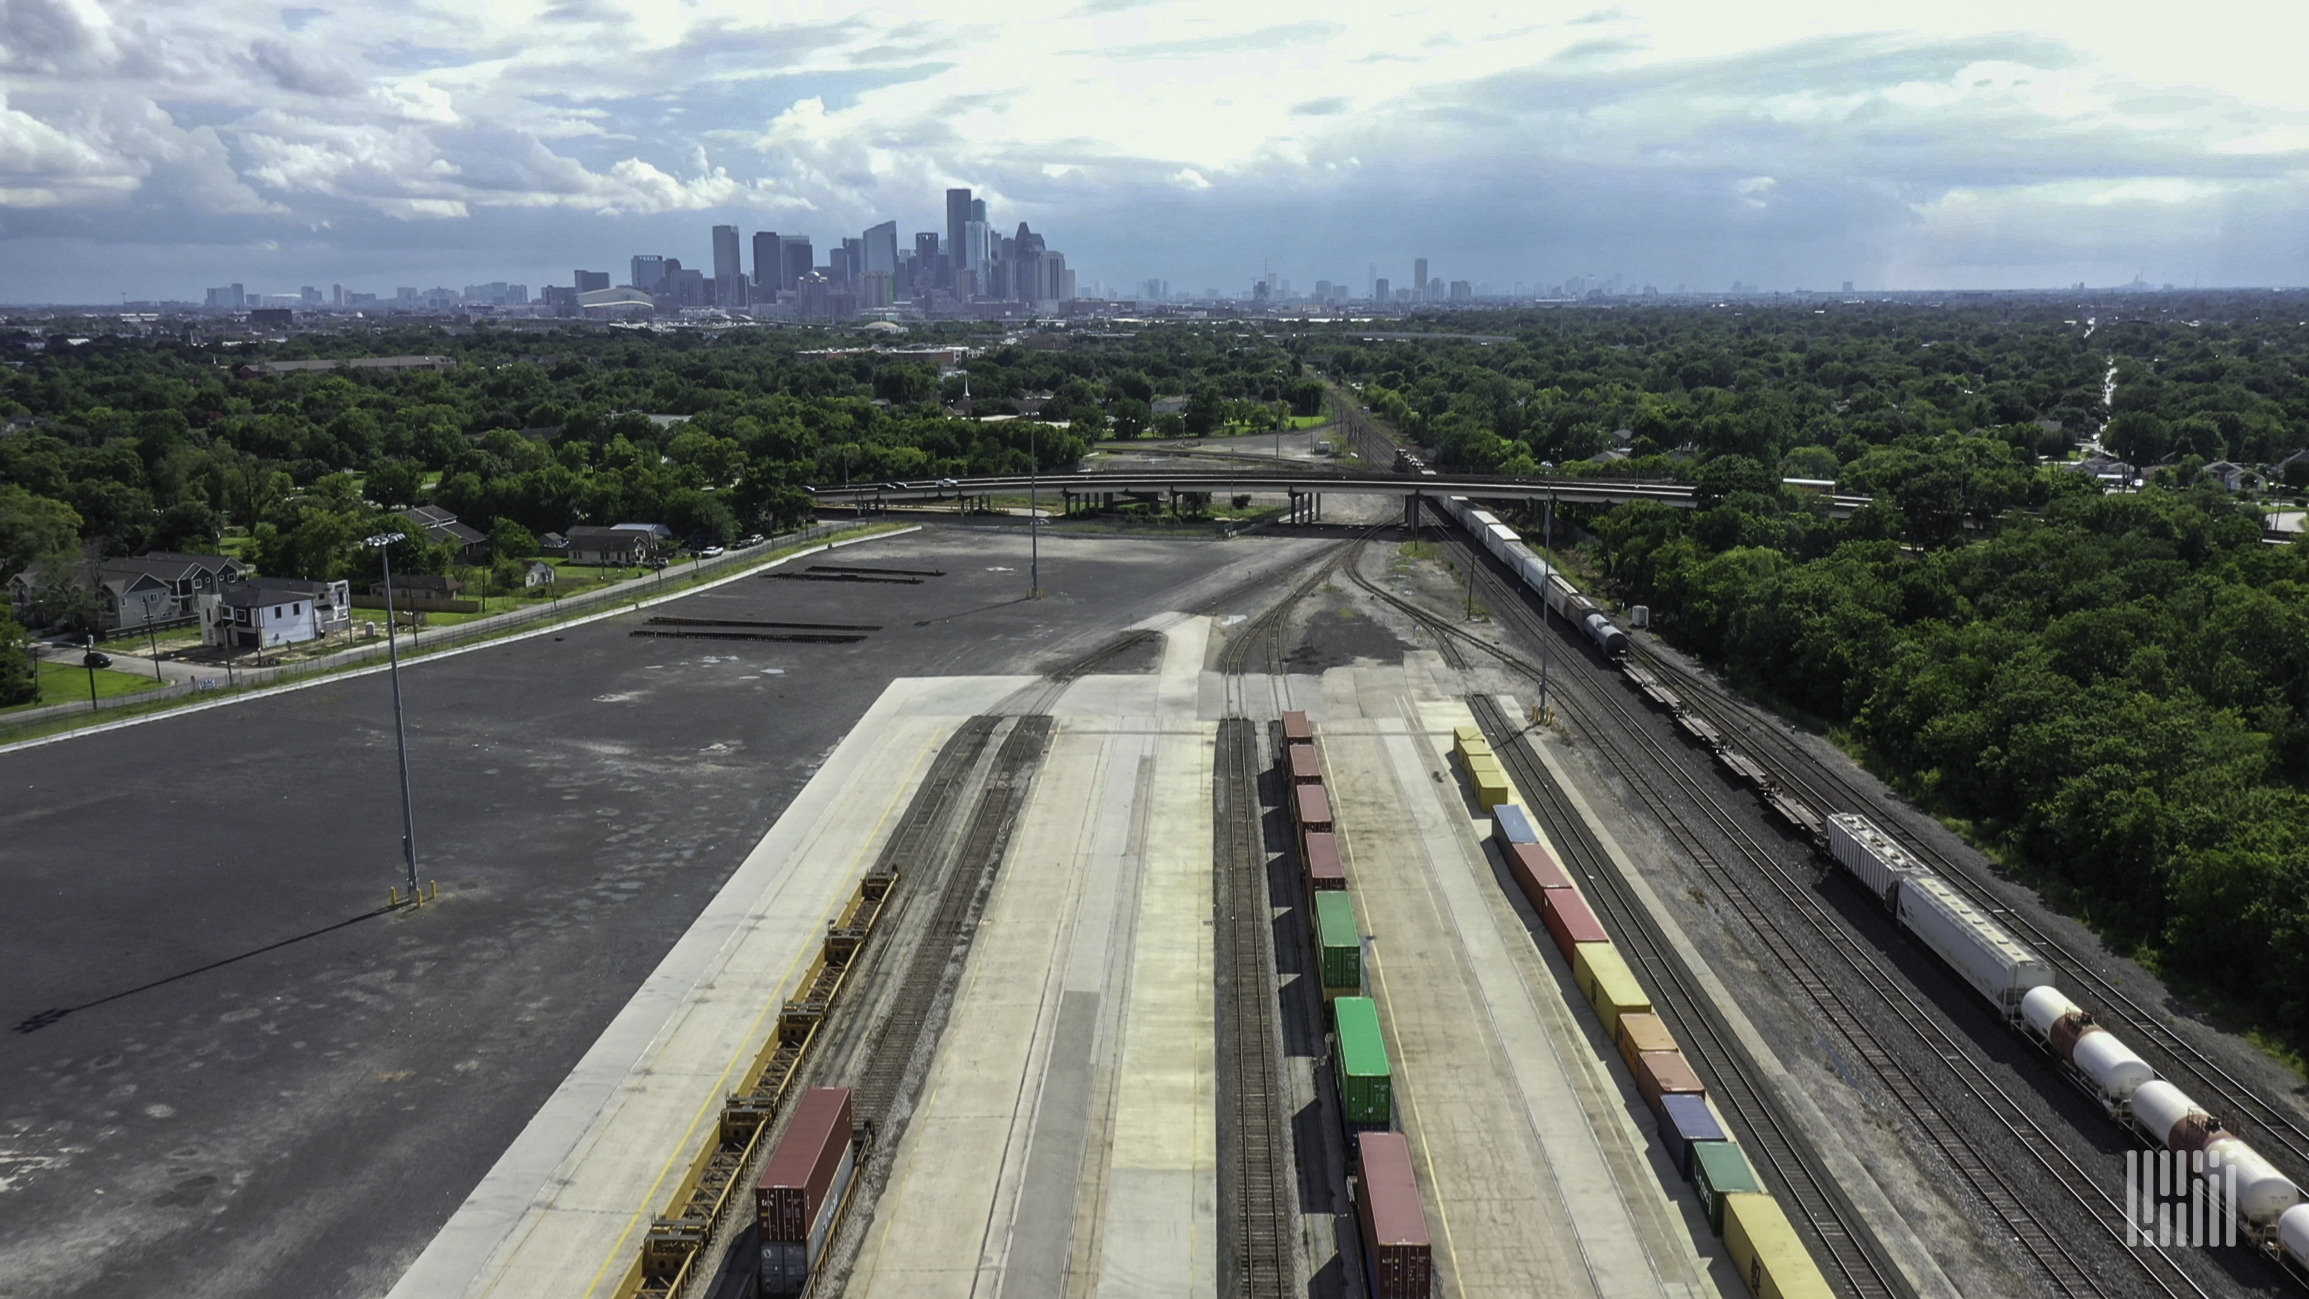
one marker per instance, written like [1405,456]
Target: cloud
[1328,106]
[1265,38]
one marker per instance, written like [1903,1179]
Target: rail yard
[1243,917]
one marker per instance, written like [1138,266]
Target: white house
[269,611]
[538,573]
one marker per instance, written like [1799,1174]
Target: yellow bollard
[392,897]
[433,890]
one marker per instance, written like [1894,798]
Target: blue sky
[152,147]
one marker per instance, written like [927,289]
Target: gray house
[161,587]
[610,546]
[271,611]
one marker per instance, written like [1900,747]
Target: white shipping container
[1997,965]
[1870,854]
[1497,538]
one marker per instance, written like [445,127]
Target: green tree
[18,684]
[509,540]
[1204,411]
[35,530]
[394,484]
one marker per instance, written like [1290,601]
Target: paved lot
[301,1121]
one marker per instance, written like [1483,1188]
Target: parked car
[709,552]
[95,659]
[748,543]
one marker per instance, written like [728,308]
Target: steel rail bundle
[2044,1244]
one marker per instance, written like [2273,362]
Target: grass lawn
[64,683]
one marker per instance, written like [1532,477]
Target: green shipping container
[1365,1086]
[1341,941]
[1720,1168]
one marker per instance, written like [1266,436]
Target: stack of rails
[1764,1248]
[704,1197]
[1398,1261]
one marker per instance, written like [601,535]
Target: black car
[95,659]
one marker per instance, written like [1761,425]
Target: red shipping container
[1295,728]
[1398,1262]
[1666,1073]
[1312,807]
[1535,871]
[1324,868]
[795,1181]
[1306,769]
[1641,1031]
[1569,921]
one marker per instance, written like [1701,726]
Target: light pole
[382,544]
[1547,552]
[152,641]
[1033,516]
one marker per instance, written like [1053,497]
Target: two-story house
[266,612]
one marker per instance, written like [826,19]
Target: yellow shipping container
[1470,750]
[1462,735]
[1607,983]
[1767,1252]
[1491,789]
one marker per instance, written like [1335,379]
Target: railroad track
[1825,962]
[1848,1252]
[1828,790]
[1257,1186]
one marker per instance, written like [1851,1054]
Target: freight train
[2241,1186]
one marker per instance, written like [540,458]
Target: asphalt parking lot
[298,1120]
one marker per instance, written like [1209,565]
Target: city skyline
[152,151]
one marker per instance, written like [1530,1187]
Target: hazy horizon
[152,149]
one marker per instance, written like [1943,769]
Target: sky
[150,148]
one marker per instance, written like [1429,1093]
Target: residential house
[2108,469]
[615,547]
[440,525]
[2232,476]
[160,588]
[538,573]
[267,612]
[553,543]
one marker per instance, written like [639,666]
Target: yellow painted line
[711,1104]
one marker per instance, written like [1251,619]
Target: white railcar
[1996,965]
[1871,855]
[2112,1070]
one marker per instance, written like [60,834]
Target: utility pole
[1033,515]
[382,545]
[1547,555]
[152,642]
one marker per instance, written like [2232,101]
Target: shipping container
[1666,1073]
[1490,782]
[802,1186]
[1306,768]
[1340,941]
[1569,921]
[1296,728]
[1685,1124]
[1720,1168]
[1640,1033]
[1461,735]
[1766,1251]
[1997,965]
[1324,868]
[1366,1087]
[1398,1262]
[1535,871]
[1311,807]
[1610,987]
[1511,824]
[1873,858]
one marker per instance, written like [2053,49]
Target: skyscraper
[1379,291]
[794,259]
[588,281]
[1419,278]
[729,269]
[957,216]
[978,209]
[973,255]
[766,263]
[882,247]
[648,273]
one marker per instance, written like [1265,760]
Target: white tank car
[1871,856]
[2165,1115]
[2263,1193]
[1996,965]
[2113,1069]
[2293,1238]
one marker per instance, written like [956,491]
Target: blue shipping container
[1510,824]
[1685,1119]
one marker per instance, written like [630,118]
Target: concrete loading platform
[1065,1139]
[1540,1177]
[562,1213]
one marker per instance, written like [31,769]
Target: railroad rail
[1825,789]
[1847,1250]
[1833,963]
[1257,1188]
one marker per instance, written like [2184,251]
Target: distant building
[261,369]
[957,247]
[729,270]
[614,547]
[794,259]
[588,281]
[231,297]
[648,273]
[272,318]
[440,526]
[538,573]
[1419,277]
[882,248]
[767,260]
[617,303]
[1379,292]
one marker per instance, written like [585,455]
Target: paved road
[299,1122]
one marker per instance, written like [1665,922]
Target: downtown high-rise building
[1419,279]
[794,259]
[592,281]
[957,223]
[882,248]
[648,272]
[729,268]
[767,260]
